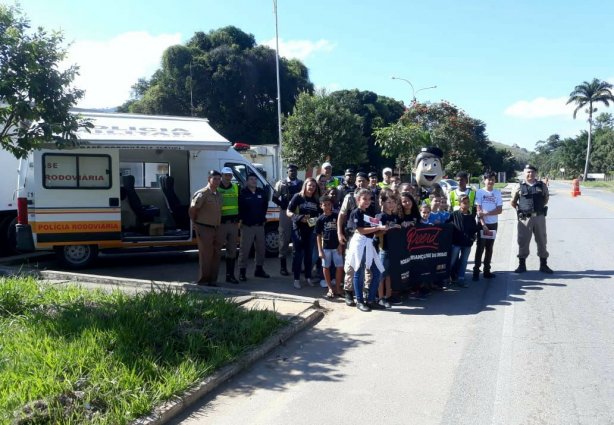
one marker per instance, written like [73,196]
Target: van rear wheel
[77,256]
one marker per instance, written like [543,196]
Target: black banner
[419,254]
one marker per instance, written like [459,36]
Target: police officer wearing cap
[327,173]
[284,191]
[348,185]
[206,214]
[374,185]
[229,227]
[530,199]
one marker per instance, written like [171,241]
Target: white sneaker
[310,282]
[297,284]
[323,283]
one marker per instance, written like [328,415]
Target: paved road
[523,349]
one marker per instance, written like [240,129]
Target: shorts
[332,256]
[383,256]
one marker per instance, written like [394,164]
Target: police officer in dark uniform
[284,191]
[348,185]
[530,199]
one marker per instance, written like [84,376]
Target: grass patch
[603,185]
[72,356]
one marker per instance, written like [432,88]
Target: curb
[162,414]
[141,283]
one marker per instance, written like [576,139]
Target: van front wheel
[271,239]
[77,256]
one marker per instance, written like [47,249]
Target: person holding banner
[390,218]
[463,236]
[362,254]
[488,204]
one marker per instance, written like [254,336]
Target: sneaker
[311,282]
[384,303]
[323,284]
[463,284]
[489,275]
[297,284]
[362,307]
[374,305]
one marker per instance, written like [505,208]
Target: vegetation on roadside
[70,355]
[609,186]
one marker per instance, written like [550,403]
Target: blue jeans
[464,252]
[359,282]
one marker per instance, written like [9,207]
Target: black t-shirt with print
[303,206]
[357,218]
[327,227]
[387,219]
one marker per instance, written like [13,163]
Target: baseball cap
[349,171]
[327,164]
[387,170]
[226,170]
[372,174]
[530,167]
[292,167]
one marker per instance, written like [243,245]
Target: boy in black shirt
[463,236]
[329,248]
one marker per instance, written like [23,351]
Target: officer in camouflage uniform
[530,199]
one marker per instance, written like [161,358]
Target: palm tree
[589,93]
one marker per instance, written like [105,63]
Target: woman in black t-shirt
[304,211]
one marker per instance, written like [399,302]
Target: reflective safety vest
[454,204]
[383,185]
[332,183]
[230,199]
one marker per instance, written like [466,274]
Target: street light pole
[280,166]
[413,92]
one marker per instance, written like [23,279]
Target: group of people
[339,229]
[216,211]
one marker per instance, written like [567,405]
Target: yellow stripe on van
[76,226]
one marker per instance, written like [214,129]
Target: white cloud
[540,107]
[300,49]
[109,68]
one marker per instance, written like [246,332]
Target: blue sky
[510,63]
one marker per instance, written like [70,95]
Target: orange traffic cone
[575,188]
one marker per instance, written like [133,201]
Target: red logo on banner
[425,237]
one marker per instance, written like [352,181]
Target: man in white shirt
[488,205]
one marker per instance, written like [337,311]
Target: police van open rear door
[76,205]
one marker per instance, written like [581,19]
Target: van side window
[76,171]
[240,172]
[146,174]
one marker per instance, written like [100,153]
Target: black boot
[242,276]
[522,266]
[283,270]
[488,274]
[543,266]
[261,273]
[476,275]
[230,271]
[349,299]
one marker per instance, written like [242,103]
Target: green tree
[321,128]
[376,111]
[35,96]
[589,93]
[225,77]
[402,142]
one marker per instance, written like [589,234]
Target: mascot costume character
[428,170]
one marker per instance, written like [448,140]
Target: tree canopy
[35,95]
[225,77]
[462,139]
[322,128]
